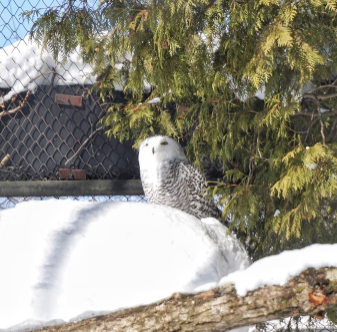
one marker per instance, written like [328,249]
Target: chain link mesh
[10,202]
[42,137]
[39,136]
[302,323]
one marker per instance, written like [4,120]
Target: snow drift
[68,260]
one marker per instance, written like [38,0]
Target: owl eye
[163,143]
[147,144]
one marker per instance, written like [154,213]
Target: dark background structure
[44,136]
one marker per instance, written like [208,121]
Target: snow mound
[68,260]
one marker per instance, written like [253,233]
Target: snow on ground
[67,260]
[23,67]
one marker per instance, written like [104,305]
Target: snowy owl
[168,178]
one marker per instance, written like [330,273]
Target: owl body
[168,178]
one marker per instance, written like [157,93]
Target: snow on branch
[310,293]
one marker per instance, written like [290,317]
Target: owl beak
[152,150]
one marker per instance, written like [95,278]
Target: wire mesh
[39,134]
[11,202]
[301,323]
[42,137]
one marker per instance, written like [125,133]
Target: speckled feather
[170,179]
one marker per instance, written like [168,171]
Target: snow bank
[23,67]
[66,260]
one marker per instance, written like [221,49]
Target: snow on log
[221,309]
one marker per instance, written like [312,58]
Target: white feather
[169,179]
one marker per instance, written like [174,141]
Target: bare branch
[313,114]
[28,93]
[18,108]
[54,72]
[4,160]
[332,130]
[322,87]
[322,132]
[320,96]
[221,309]
[83,145]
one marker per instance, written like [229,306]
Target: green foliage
[332,315]
[206,60]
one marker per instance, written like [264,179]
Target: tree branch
[83,145]
[323,87]
[220,309]
[28,93]
[332,130]
[332,113]
[18,108]
[4,160]
[320,96]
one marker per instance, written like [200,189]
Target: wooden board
[68,100]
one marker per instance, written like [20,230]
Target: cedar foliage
[208,59]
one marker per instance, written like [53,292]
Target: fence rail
[71,188]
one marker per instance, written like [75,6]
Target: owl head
[158,148]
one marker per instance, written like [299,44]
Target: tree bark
[221,309]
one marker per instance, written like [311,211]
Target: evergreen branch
[222,184]
[297,131]
[206,52]
[210,4]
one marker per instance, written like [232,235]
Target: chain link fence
[10,202]
[302,323]
[41,137]
[50,120]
